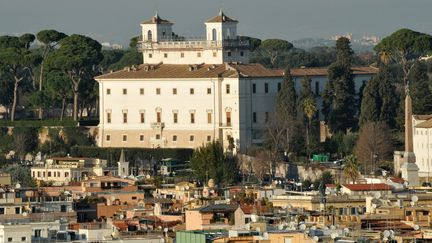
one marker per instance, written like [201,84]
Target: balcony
[225,125]
[194,43]
[157,125]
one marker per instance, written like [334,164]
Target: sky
[116,21]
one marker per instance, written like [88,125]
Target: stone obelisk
[409,167]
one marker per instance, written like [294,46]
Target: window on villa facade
[125,117]
[208,90]
[208,138]
[191,138]
[175,117]
[266,87]
[192,118]
[254,117]
[174,91]
[124,139]
[158,91]
[209,117]
[142,117]
[227,89]
[125,91]
[108,117]
[254,88]
[191,91]
[108,91]
[141,91]
[108,137]
[141,138]
[174,138]
[158,116]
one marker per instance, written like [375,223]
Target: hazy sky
[118,20]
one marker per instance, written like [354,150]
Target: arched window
[214,35]
[149,35]
[228,35]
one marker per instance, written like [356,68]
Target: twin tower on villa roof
[159,44]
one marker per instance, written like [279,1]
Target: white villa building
[422,140]
[190,92]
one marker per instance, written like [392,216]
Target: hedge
[132,154]
[38,123]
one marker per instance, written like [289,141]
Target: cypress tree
[339,104]
[420,91]
[286,102]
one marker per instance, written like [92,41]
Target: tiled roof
[256,70]
[221,18]
[368,187]
[323,71]
[422,117]
[219,208]
[228,70]
[162,71]
[156,20]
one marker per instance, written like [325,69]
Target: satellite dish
[24,214]
[280,227]
[416,227]
[412,204]
[385,239]
[165,230]
[377,195]
[414,198]
[302,227]
[386,233]
[18,186]
[392,233]
[265,235]
[332,227]
[254,218]
[374,205]
[346,230]
[113,198]
[316,238]
[313,227]
[121,216]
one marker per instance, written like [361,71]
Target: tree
[404,46]
[373,145]
[339,102]
[49,39]
[19,174]
[380,100]
[76,58]
[25,140]
[351,169]
[254,43]
[280,129]
[309,109]
[16,62]
[274,49]
[420,90]
[210,162]
[56,91]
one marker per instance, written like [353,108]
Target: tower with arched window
[156,29]
[220,45]
[221,28]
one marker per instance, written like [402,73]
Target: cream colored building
[189,92]
[422,140]
[63,170]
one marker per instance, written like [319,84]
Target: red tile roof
[221,18]
[323,71]
[368,187]
[156,20]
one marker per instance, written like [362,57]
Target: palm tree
[351,169]
[309,109]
